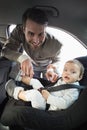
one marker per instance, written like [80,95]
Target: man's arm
[11,50]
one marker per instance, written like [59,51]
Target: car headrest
[83,60]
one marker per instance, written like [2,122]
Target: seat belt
[63,87]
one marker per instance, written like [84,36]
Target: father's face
[34,33]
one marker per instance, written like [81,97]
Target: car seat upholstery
[83,81]
[2,127]
[4,70]
[83,60]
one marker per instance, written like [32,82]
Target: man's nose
[36,39]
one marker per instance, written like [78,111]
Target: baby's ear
[80,77]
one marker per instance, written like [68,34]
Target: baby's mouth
[66,77]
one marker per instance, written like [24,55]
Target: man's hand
[51,75]
[27,68]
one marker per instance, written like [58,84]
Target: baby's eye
[73,72]
[65,70]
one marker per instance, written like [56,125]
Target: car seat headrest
[83,60]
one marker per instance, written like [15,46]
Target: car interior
[69,16]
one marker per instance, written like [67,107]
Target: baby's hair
[75,61]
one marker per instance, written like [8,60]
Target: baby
[72,73]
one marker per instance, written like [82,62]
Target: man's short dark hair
[37,15]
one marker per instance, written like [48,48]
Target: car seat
[5,66]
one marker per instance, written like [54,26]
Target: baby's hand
[36,83]
[45,94]
[22,95]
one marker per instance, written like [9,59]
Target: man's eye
[41,34]
[31,34]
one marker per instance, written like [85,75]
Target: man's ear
[23,29]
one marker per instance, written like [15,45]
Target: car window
[72,46]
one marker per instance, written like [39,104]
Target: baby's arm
[35,83]
[26,79]
[45,94]
[17,92]
[29,81]
[12,89]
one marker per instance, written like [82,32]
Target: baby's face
[71,73]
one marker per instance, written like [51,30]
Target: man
[41,48]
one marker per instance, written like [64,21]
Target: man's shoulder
[52,39]
[18,32]
[53,42]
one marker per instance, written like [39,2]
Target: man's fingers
[27,68]
[31,72]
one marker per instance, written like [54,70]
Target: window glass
[72,47]
[11,28]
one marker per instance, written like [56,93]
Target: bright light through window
[72,47]
[11,28]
